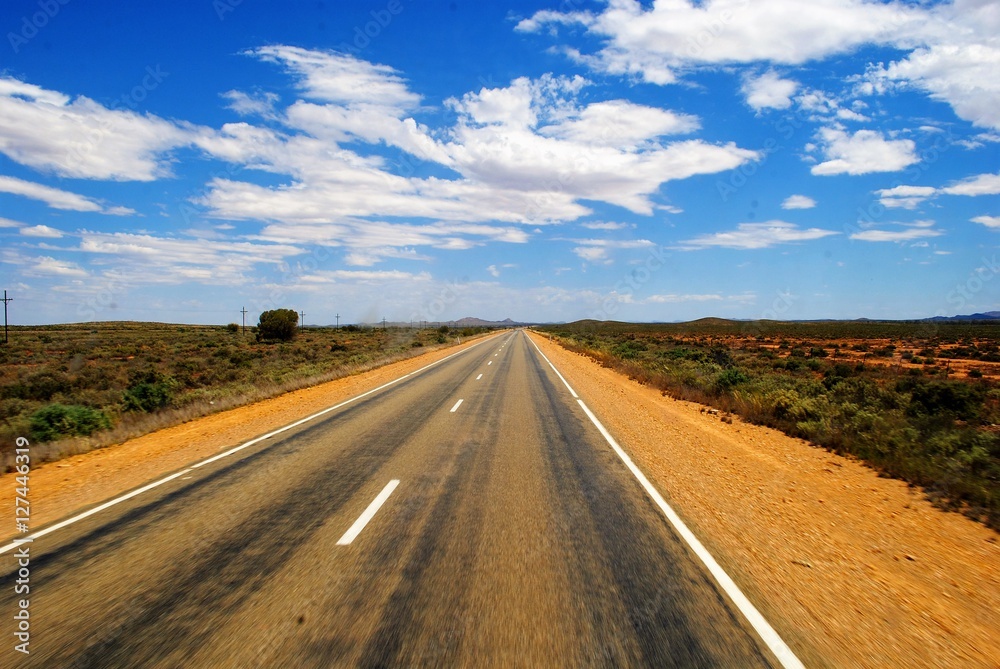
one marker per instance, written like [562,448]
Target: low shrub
[57,421]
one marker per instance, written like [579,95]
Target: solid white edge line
[117,500]
[770,637]
[767,633]
[457,404]
[359,524]
[91,512]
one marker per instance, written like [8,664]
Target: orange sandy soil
[853,570]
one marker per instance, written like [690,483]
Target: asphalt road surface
[509,534]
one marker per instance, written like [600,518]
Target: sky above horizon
[542,161]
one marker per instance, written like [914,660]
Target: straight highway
[470,514]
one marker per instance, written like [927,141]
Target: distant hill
[473,322]
[985,316]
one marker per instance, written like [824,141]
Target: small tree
[277,324]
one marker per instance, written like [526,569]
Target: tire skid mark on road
[442,541]
[308,419]
[178,603]
[182,603]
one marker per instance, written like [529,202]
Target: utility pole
[302,316]
[244,312]
[338,321]
[5,301]
[383,323]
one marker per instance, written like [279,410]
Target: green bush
[277,325]
[149,391]
[57,421]
[730,378]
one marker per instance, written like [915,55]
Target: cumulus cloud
[863,152]
[910,197]
[620,123]
[952,48]
[757,236]
[658,42]
[529,152]
[905,197]
[992,222]
[982,184]
[769,91]
[41,231]
[83,139]
[798,202]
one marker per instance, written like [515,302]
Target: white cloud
[863,152]
[47,266]
[341,78]
[769,91]
[798,202]
[658,42]
[992,222]
[83,139]
[492,269]
[10,223]
[963,75]
[41,231]
[982,184]
[910,197]
[905,197]
[911,232]
[56,198]
[527,153]
[144,258]
[596,250]
[260,103]
[620,123]
[606,225]
[675,299]
[757,236]
[952,48]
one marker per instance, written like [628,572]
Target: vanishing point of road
[469,514]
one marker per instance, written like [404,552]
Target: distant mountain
[985,316]
[473,322]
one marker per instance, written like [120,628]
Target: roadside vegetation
[71,388]
[916,401]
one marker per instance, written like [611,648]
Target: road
[509,534]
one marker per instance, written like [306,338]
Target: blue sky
[543,161]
